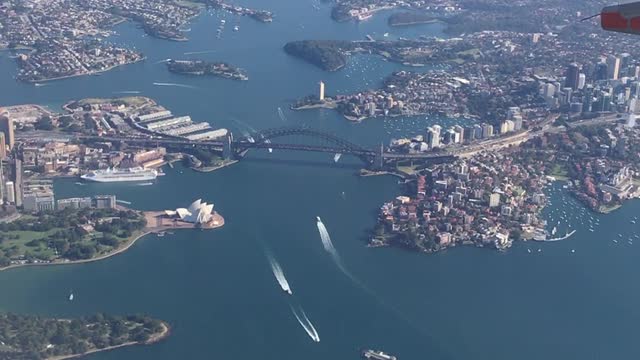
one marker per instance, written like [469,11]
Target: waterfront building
[477,131]
[104,202]
[38,198]
[154,116]
[211,134]
[504,127]
[197,213]
[487,130]
[321,91]
[572,76]
[168,123]
[517,123]
[460,131]
[433,136]
[6,127]
[74,203]
[148,155]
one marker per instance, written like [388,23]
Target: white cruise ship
[120,175]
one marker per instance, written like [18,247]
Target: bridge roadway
[335,144]
[240,145]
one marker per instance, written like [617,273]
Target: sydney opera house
[197,213]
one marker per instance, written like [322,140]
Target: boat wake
[161,61]
[80,183]
[326,239]
[328,246]
[279,274]
[336,157]
[145,184]
[306,324]
[123,202]
[127,92]
[199,52]
[244,127]
[174,84]
[281,114]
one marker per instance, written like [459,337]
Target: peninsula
[35,32]
[199,68]
[410,18]
[72,236]
[25,337]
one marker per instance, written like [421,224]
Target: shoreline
[415,22]
[82,74]
[117,251]
[206,169]
[166,331]
[127,244]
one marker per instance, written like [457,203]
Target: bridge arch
[270,134]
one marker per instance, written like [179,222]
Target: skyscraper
[487,130]
[582,80]
[3,148]
[18,183]
[572,76]
[6,127]
[613,67]
[602,71]
[321,90]
[433,136]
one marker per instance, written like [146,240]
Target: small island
[200,68]
[329,55]
[33,337]
[410,18]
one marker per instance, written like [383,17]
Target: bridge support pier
[227,147]
[378,160]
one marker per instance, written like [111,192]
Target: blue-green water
[216,288]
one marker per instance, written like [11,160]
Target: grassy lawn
[559,172]
[409,170]
[473,52]
[20,247]
[62,236]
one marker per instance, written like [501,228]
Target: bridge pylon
[227,147]
[378,160]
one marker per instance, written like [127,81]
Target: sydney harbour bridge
[285,138]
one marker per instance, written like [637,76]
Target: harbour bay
[216,288]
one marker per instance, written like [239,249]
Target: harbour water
[216,288]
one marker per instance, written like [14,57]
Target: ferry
[121,175]
[377,355]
